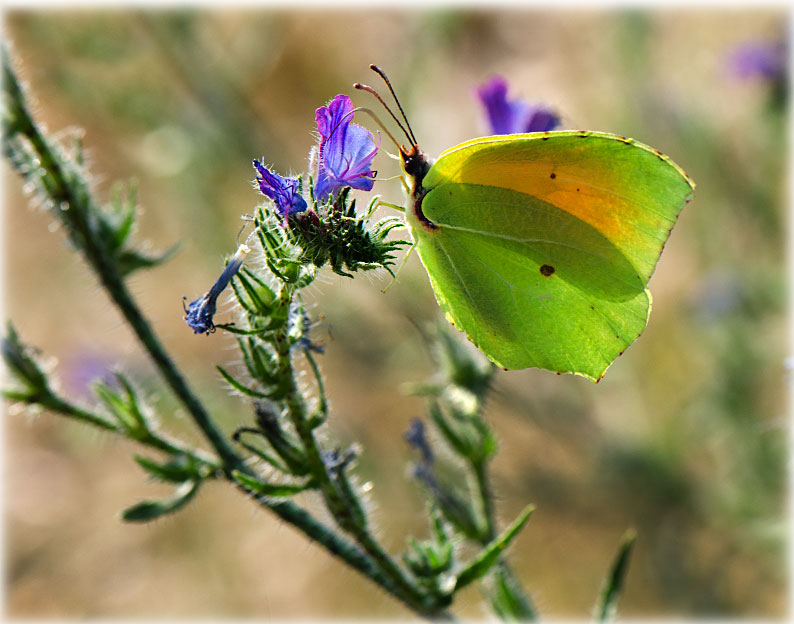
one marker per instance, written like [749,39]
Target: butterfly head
[415,163]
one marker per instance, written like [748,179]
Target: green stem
[342,511]
[77,208]
[152,439]
[322,404]
[485,496]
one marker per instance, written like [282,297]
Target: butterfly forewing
[544,244]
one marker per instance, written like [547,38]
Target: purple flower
[513,116]
[283,191]
[199,312]
[84,368]
[764,59]
[346,150]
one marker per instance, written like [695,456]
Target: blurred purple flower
[759,58]
[199,312]
[85,368]
[513,116]
[346,150]
[283,191]
[415,436]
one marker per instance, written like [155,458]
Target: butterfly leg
[400,268]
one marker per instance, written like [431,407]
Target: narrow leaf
[457,441]
[146,511]
[253,296]
[490,554]
[270,489]
[177,469]
[127,209]
[606,607]
[508,599]
[129,260]
[239,386]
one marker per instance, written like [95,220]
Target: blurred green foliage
[684,439]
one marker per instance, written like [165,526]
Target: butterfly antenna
[383,75]
[379,122]
[368,89]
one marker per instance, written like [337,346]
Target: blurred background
[684,440]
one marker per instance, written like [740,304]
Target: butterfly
[540,246]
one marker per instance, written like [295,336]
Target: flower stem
[343,511]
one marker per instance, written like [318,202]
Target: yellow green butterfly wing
[540,246]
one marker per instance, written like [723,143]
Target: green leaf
[462,365]
[449,430]
[540,246]
[20,361]
[128,261]
[177,469]
[508,599]
[147,511]
[490,554]
[276,490]
[294,461]
[606,607]
[428,559]
[126,409]
[256,297]
[239,386]
[127,210]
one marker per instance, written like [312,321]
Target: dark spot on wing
[546,270]
[553,175]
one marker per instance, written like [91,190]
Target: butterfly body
[540,246]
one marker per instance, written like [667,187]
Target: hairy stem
[64,185]
[75,206]
[343,511]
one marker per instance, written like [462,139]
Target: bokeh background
[683,440]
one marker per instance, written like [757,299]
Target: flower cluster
[344,160]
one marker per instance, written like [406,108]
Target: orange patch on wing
[571,189]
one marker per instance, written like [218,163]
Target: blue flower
[346,150]
[199,313]
[284,192]
[513,116]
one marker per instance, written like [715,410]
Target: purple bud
[283,191]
